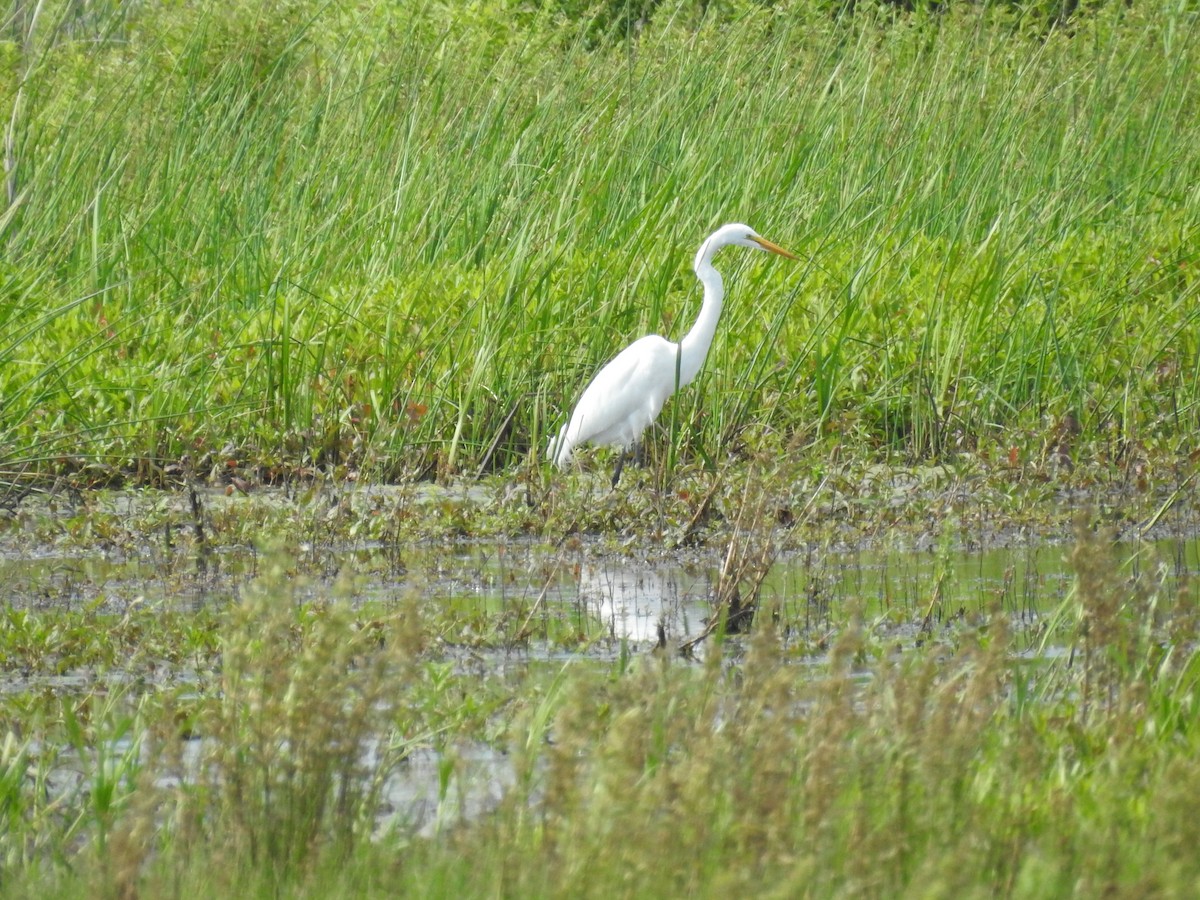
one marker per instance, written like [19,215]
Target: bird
[629,392]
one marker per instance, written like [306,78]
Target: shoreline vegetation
[395,241]
[292,261]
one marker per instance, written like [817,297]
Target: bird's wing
[626,394]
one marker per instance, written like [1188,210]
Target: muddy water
[586,593]
[575,599]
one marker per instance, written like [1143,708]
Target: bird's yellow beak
[774,248]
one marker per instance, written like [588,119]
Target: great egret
[628,393]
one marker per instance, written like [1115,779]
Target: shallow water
[587,591]
[579,600]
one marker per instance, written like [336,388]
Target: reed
[399,238]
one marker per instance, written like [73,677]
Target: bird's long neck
[694,346]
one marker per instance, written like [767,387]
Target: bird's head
[737,234]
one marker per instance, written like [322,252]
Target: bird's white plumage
[623,399]
[629,392]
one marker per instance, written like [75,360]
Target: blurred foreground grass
[253,752]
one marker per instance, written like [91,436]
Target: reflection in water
[543,591]
[632,598]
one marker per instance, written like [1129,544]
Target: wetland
[448,675]
[901,601]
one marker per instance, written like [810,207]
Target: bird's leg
[639,456]
[620,466]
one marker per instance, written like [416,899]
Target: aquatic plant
[392,241]
[762,767]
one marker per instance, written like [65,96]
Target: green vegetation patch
[398,239]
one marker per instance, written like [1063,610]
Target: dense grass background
[402,236]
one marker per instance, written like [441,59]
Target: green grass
[394,238]
[394,241]
[954,766]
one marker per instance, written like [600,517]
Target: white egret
[629,392]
